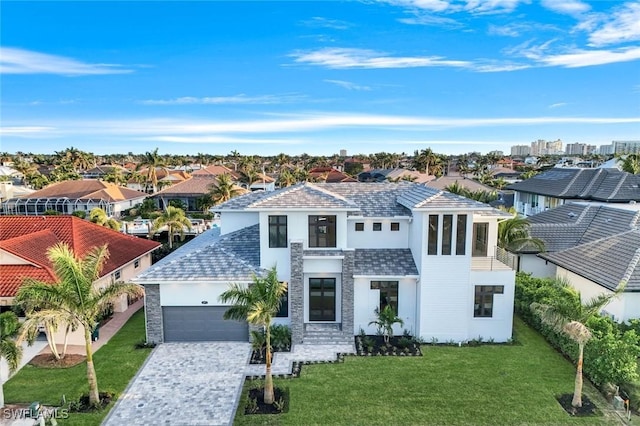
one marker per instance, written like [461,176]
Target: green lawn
[486,385]
[116,363]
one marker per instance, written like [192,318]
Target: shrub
[51,212]
[79,213]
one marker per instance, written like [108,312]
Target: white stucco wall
[233,221]
[367,300]
[500,326]
[377,239]
[536,266]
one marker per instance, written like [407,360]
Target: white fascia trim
[186,281]
[304,209]
[378,217]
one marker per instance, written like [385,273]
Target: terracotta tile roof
[217,170]
[29,237]
[87,189]
[12,276]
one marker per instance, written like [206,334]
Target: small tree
[386,318]
[570,319]
[10,351]
[513,234]
[175,221]
[258,304]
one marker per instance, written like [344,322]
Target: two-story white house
[344,249]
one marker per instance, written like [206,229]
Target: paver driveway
[185,384]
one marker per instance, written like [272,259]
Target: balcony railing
[501,261]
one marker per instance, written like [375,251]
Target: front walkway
[200,383]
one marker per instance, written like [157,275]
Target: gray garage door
[201,323]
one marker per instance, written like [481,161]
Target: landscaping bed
[255,401]
[49,361]
[374,345]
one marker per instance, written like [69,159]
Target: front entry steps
[326,334]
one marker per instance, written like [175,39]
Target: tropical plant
[286,178]
[152,161]
[74,296]
[100,217]
[513,234]
[631,164]
[258,303]
[385,320]
[224,189]
[571,319]
[10,350]
[175,221]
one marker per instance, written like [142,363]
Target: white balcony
[501,261]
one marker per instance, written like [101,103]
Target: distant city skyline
[317,77]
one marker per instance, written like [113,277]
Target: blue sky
[315,77]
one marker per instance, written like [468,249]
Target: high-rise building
[343,153]
[579,149]
[542,147]
[605,149]
[626,147]
[520,150]
[496,153]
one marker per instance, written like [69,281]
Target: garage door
[201,323]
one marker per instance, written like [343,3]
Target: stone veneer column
[153,313]
[347,291]
[296,293]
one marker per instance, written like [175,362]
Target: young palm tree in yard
[386,318]
[10,351]
[571,319]
[75,297]
[258,304]
[175,220]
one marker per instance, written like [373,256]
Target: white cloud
[510,30]
[428,19]
[214,139]
[430,5]
[492,6]
[620,27]
[221,100]
[320,22]
[567,7]
[586,58]
[450,6]
[340,58]
[348,85]
[24,130]
[21,61]
[557,105]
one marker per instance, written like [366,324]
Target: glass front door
[322,299]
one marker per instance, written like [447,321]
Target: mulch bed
[374,345]
[256,405]
[49,361]
[82,405]
[588,408]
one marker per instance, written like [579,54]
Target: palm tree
[224,189]
[286,178]
[175,221]
[571,319]
[258,304]
[9,349]
[631,164]
[513,234]
[100,217]
[385,320]
[74,295]
[153,161]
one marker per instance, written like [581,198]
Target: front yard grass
[116,363]
[485,385]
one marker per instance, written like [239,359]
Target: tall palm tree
[175,221]
[224,189]
[100,217]
[75,295]
[153,161]
[258,304]
[10,351]
[513,234]
[286,178]
[571,319]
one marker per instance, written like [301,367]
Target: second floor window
[432,244]
[277,231]
[322,231]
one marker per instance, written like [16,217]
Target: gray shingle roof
[304,196]
[607,261]
[611,185]
[231,257]
[421,196]
[384,262]
[373,199]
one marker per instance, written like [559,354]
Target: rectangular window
[283,312]
[277,231]
[322,231]
[359,226]
[117,274]
[377,226]
[461,235]
[480,239]
[483,304]
[388,294]
[447,231]
[136,264]
[432,248]
[395,226]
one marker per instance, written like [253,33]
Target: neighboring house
[10,190]
[385,175]
[330,175]
[509,175]
[345,250]
[594,246]
[216,169]
[187,192]
[24,241]
[264,183]
[166,177]
[69,196]
[560,185]
[99,172]
[467,183]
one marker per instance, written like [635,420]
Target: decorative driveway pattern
[185,384]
